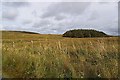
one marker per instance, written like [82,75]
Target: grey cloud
[118,13]
[112,31]
[60,17]
[9,14]
[13,0]
[15,4]
[10,9]
[11,27]
[59,30]
[70,8]
[104,2]
[47,26]
[42,23]
[94,16]
[34,13]
[27,22]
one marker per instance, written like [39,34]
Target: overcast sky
[58,17]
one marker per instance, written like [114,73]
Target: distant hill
[83,33]
[20,35]
[22,32]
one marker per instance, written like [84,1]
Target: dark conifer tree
[81,33]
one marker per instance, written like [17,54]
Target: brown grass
[52,56]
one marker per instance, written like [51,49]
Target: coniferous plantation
[84,33]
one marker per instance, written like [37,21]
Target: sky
[56,17]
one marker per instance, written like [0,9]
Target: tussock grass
[52,56]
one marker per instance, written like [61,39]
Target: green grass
[53,56]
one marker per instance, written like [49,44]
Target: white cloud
[9,14]
[15,4]
[10,9]
[60,0]
[70,8]
[50,17]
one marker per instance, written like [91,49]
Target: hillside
[53,56]
[26,35]
[84,33]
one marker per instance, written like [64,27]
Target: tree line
[82,33]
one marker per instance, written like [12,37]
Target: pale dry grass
[59,57]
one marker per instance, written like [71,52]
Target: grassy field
[53,56]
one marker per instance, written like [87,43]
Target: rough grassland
[52,56]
